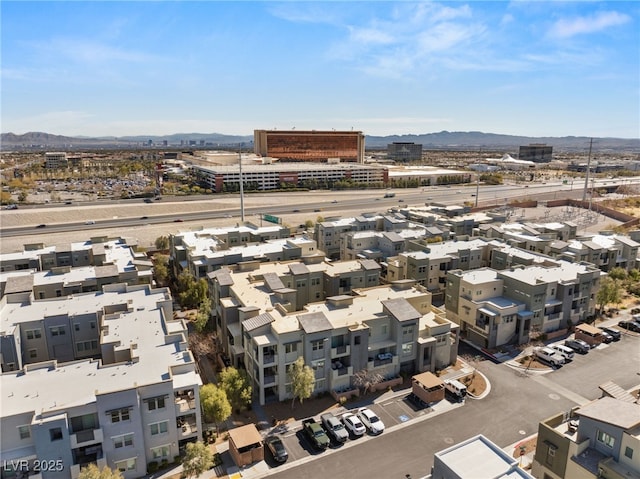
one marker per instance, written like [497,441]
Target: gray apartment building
[495,307]
[600,439]
[335,315]
[102,377]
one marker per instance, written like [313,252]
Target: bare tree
[365,380]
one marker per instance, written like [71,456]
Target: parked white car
[565,351]
[549,355]
[353,424]
[371,421]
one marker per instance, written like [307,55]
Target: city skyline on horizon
[535,69]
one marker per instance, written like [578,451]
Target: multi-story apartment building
[203,251]
[98,377]
[335,316]
[60,270]
[300,145]
[600,439]
[377,245]
[499,307]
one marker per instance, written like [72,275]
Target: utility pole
[241,184]
[586,180]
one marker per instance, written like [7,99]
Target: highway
[325,203]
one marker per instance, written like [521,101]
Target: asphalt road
[511,412]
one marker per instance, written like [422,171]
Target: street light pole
[241,184]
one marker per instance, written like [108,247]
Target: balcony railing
[269,358]
[188,428]
[86,438]
[340,351]
[185,405]
[340,372]
[270,380]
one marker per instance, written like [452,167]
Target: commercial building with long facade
[311,145]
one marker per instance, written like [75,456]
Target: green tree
[618,273]
[302,380]
[191,293]
[215,405]
[203,315]
[609,292]
[22,196]
[237,384]
[309,224]
[161,269]
[92,471]
[197,459]
[162,242]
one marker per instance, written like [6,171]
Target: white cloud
[569,27]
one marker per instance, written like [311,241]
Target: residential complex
[404,151]
[335,316]
[103,377]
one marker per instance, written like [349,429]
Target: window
[290,348]
[317,345]
[119,415]
[33,334]
[123,440]
[159,428]
[407,348]
[76,326]
[57,331]
[126,465]
[407,331]
[33,353]
[92,324]
[356,340]
[55,434]
[628,452]
[87,345]
[606,439]
[160,452]
[155,403]
[25,432]
[551,453]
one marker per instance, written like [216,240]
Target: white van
[455,388]
[564,351]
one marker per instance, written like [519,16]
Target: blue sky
[131,68]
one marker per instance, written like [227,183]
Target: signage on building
[272,219]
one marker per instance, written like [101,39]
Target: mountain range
[450,140]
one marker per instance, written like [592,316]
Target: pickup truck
[315,433]
[334,427]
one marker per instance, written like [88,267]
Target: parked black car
[578,345]
[606,337]
[630,325]
[614,333]
[416,401]
[277,448]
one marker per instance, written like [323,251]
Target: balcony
[340,351]
[269,359]
[341,372]
[184,405]
[187,426]
[378,362]
[86,438]
[270,380]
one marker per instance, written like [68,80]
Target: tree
[302,380]
[237,384]
[191,293]
[618,273]
[609,292]
[365,379]
[162,242]
[92,471]
[309,224]
[203,315]
[197,459]
[215,405]
[161,269]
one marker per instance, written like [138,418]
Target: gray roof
[298,268]
[314,322]
[392,236]
[97,249]
[273,281]
[257,321]
[19,284]
[222,275]
[400,309]
[612,411]
[369,264]
[106,271]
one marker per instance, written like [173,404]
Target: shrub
[342,400]
[152,467]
